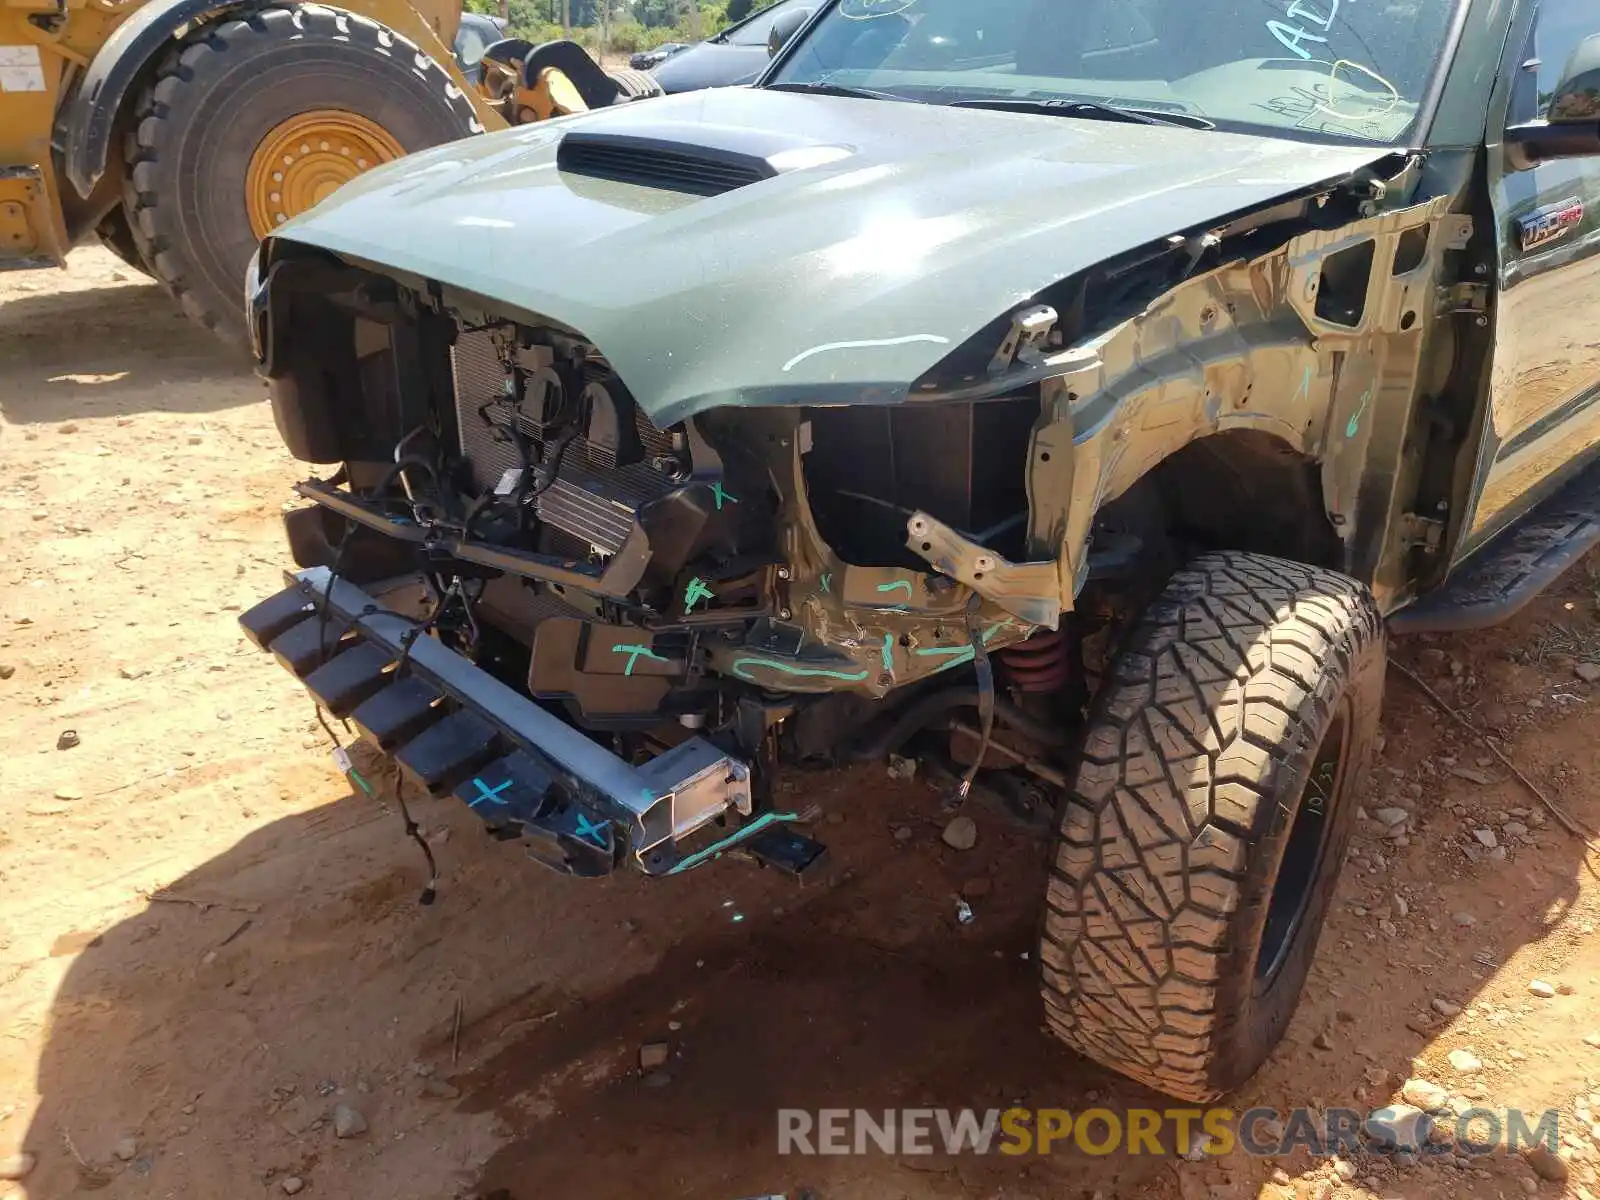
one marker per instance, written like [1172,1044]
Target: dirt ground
[207,943]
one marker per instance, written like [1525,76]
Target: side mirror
[785,27]
[1577,96]
[1572,125]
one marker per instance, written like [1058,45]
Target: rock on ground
[1399,1126]
[1465,1061]
[1426,1096]
[1547,1166]
[348,1122]
[961,834]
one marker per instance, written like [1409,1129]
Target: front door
[1545,419]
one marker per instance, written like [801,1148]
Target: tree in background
[613,26]
[738,10]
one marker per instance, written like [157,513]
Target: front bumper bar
[454,728]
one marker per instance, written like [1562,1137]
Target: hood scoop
[658,163]
[693,158]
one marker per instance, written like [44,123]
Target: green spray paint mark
[740,666]
[1305,386]
[888,652]
[1354,427]
[719,496]
[733,839]
[696,593]
[635,653]
[896,586]
[960,656]
[827,585]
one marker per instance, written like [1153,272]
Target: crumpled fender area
[868,629]
[1326,344]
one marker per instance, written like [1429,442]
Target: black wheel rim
[1304,851]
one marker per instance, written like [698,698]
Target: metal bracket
[1029,329]
[1419,531]
[1030,591]
[1464,298]
[1456,230]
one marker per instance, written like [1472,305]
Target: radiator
[592,499]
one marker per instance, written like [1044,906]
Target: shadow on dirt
[105,351]
[315,979]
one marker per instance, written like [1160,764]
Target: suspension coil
[1040,665]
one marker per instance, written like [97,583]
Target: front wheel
[252,121]
[1201,841]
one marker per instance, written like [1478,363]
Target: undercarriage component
[1041,665]
[448,722]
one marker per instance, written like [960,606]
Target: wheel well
[1237,490]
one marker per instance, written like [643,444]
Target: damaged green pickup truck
[1076,395]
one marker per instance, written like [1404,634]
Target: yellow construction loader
[180,132]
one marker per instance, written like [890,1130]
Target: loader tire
[635,85]
[201,154]
[116,236]
[1201,840]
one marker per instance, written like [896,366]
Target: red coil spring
[1041,664]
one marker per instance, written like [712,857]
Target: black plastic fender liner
[92,111]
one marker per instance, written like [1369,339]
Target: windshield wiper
[838,89]
[1088,109]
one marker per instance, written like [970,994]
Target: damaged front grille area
[509,418]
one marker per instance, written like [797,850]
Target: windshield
[1316,69]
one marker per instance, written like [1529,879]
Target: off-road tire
[1194,767]
[635,85]
[220,92]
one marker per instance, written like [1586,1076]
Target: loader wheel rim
[1305,849]
[304,160]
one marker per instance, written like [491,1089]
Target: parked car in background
[735,56]
[647,59]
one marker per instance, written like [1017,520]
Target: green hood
[891,233]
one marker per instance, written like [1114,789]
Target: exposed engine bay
[743,576]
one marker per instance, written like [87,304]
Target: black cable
[986,698]
[550,468]
[409,638]
[430,892]
[327,593]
